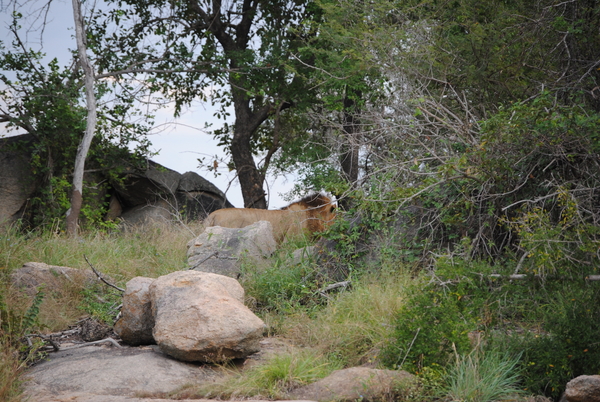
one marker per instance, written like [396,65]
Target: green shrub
[438,315]
[100,302]
[567,345]
[281,286]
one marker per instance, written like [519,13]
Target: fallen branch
[99,275]
[323,291]
[524,276]
[45,338]
[343,284]
[81,345]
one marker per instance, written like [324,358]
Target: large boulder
[136,322]
[585,388]
[200,316]
[358,383]
[219,250]
[158,194]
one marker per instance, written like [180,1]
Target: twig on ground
[343,284]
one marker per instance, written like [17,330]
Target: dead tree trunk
[72,217]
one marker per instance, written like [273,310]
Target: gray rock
[302,254]
[585,388]
[159,211]
[357,383]
[199,316]
[54,278]
[159,194]
[218,250]
[93,373]
[136,322]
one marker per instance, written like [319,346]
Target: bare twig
[99,275]
[343,284]
[410,347]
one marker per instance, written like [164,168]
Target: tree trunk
[350,147]
[72,217]
[251,180]
[247,121]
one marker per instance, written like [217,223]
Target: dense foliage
[462,141]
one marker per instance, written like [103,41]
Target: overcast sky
[179,142]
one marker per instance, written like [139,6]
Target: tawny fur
[310,215]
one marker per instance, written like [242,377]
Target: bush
[438,315]
[567,345]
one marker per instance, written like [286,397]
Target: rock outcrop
[137,195]
[158,193]
[199,316]
[96,373]
[17,183]
[219,250]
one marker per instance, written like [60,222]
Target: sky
[180,142]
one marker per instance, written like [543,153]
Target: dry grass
[149,251]
[356,324]
[10,371]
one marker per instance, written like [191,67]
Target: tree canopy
[242,54]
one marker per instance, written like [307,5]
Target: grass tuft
[273,378]
[483,377]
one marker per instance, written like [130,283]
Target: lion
[312,214]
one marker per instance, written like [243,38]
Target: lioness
[310,215]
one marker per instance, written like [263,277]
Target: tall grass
[148,251]
[355,324]
[10,371]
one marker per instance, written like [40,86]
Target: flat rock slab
[82,397]
[93,373]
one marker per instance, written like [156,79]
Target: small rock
[136,321]
[93,330]
[585,388]
[54,278]
[357,383]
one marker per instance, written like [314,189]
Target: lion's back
[283,222]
